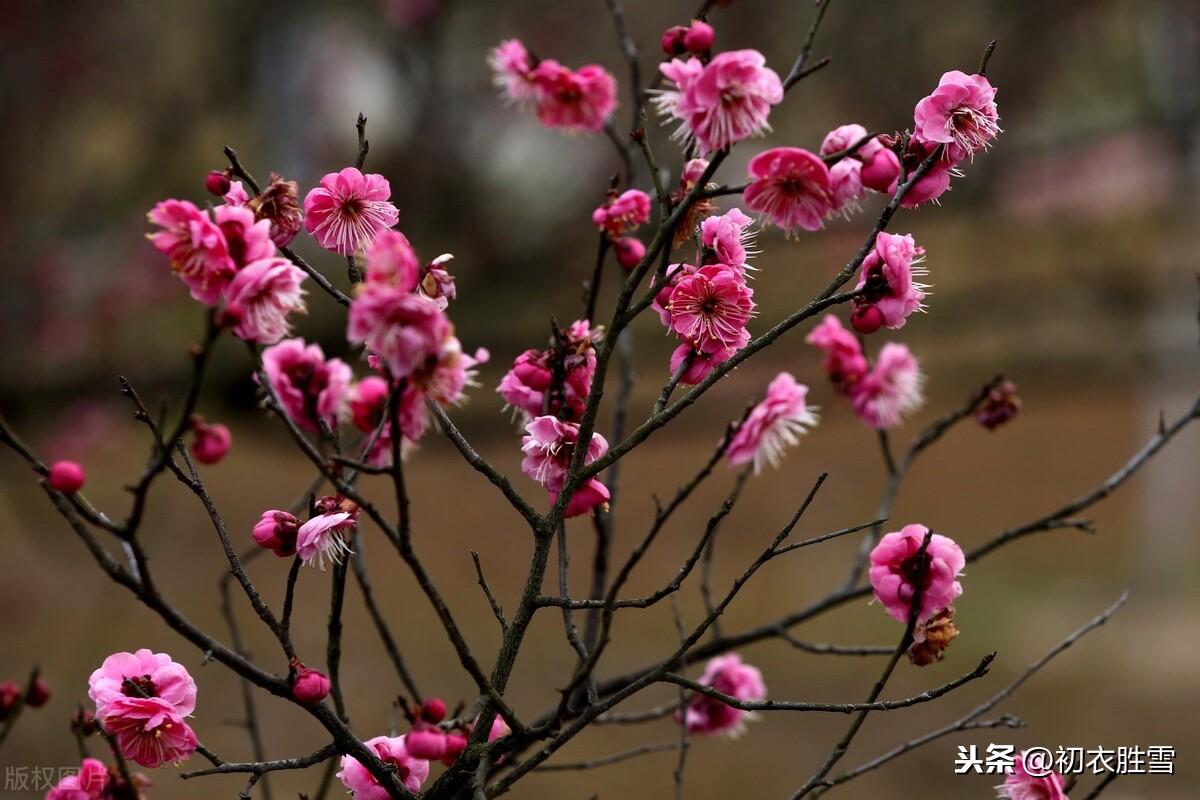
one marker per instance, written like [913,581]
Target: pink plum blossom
[895,570]
[246,239]
[89,783]
[712,304]
[592,494]
[729,236]
[262,296]
[891,390]
[722,102]
[237,194]
[155,675]
[402,328]
[622,213]
[575,100]
[366,401]
[362,785]
[438,283]
[702,362]
[324,538]
[524,387]
[549,445]
[391,260]
[512,70]
[880,165]
[729,675]
[845,187]
[276,531]
[348,210]
[773,425]
[309,386]
[886,278]
[791,187]
[960,113]
[1020,785]
[930,186]
[149,731]
[195,246]
[845,364]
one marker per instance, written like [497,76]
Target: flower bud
[210,443]
[672,40]
[309,685]
[10,699]
[866,319]
[66,477]
[276,531]
[455,744]
[699,37]
[1000,406]
[217,182]
[433,710]
[83,723]
[630,251]
[426,743]
[38,694]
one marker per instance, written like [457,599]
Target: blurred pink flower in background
[309,386]
[773,425]
[729,675]
[891,390]
[576,100]
[262,296]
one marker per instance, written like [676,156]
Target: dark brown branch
[381,627]
[605,761]
[497,611]
[833,708]
[263,767]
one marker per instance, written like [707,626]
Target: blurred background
[1065,259]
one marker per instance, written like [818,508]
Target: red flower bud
[309,685]
[38,694]
[866,319]
[433,710]
[455,744]
[672,40]
[426,743]
[217,182]
[630,251]
[66,477]
[10,698]
[699,37]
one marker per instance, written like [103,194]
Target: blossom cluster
[234,259]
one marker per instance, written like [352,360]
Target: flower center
[914,569]
[138,686]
